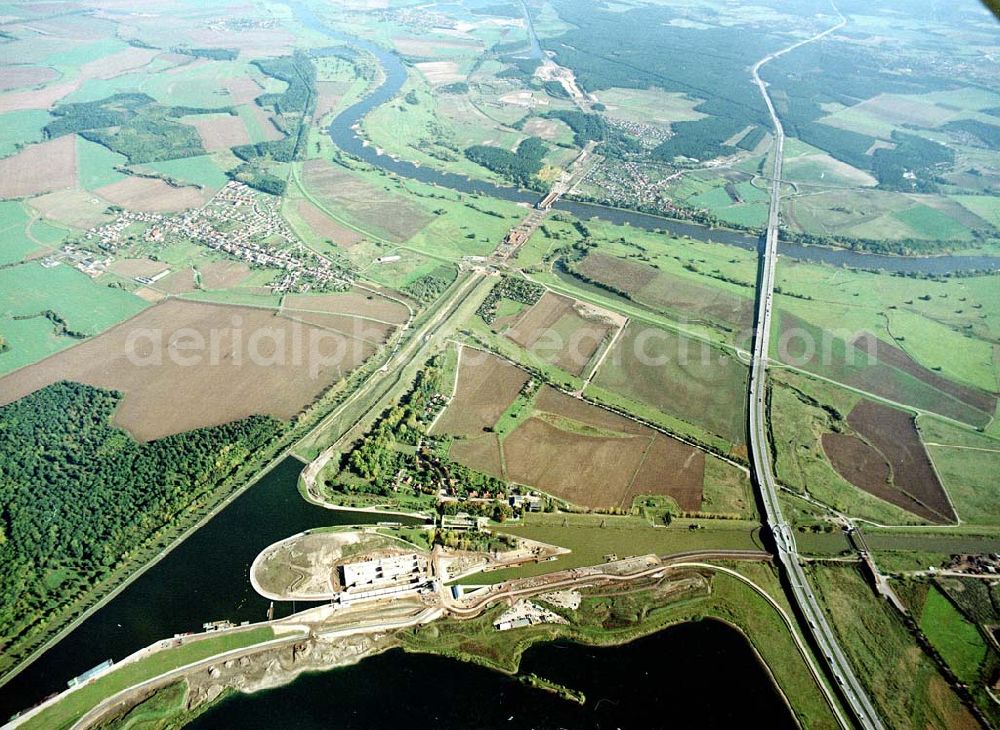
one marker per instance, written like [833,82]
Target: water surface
[696,675]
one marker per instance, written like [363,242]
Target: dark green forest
[519,167]
[78,496]
[133,125]
[615,49]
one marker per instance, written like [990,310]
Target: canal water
[695,675]
[343,134]
[205,578]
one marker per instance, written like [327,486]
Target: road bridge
[760,455]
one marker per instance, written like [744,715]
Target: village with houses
[237,221]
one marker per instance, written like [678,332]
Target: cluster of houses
[631,182]
[241,224]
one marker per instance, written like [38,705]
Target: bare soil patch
[138,267]
[366,330]
[550,400]
[671,468]
[544,128]
[268,131]
[254,43]
[152,195]
[328,96]
[486,386]
[483,452]
[118,63]
[430,47]
[16,77]
[150,295]
[248,373]
[561,331]
[243,89]
[39,168]
[356,301]
[325,227]
[593,471]
[894,434]
[179,282]
[863,466]
[44,98]
[679,376]
[219,132]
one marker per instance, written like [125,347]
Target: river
[695,675]
[344,136]
[205,578]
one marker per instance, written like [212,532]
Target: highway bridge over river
[760,456]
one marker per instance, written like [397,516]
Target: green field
[932,223]
[198,85]
[96,165]
[64,713]
[827,353]
[679,376]
[798,418]
[72,56]
[953,636]
[14,241]
[967,463]
[649,106]
[201,170]
[21,128]
[986,207]
[727,490]
[86,306]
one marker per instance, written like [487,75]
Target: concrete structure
[387,572]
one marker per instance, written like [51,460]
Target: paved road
[760,461]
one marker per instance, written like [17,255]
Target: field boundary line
[619,412]
[604,355]
[777,364]
[454,386]
[358,229]
[958,446]
[638,468]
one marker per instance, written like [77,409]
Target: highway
[760,455]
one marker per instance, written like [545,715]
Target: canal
[205,578]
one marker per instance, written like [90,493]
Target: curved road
[760,457]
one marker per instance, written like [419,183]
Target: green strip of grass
[71,708]
[957,640]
